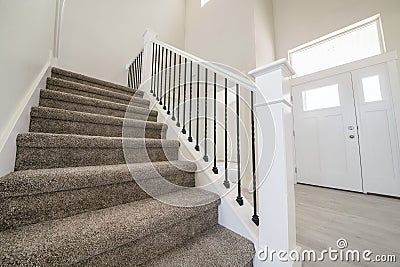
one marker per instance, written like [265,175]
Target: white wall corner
[19,120]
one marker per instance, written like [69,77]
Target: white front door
[379,140]
[326,136]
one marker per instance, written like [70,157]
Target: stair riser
[29,158]
[137,102]
[24,210]
[71,79]
[52,103]
[139,252]
[41,125]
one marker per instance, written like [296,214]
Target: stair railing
[171,75]
[135,72]
[273,177]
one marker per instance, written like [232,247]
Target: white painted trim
[273,102]
[242,79]
[57,27]
[375,60]
[287,69]
[25,100]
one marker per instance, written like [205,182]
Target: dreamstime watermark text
[341,253]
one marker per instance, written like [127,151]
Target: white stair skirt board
[19,120]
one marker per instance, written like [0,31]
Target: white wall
[26,40]
[222,31]
[99,37]
[264,32]
[298,22]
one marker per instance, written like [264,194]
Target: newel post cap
[149,36]
[283,64]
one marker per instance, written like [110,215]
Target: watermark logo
[339,254]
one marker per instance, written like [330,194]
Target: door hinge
[294,133]
[295,170]
[291,99]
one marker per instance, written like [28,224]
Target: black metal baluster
[137,72]
[159,82]
[178,123]
[174,87]
[152,69]
[215,169]
[190,138]
[205,158]
[156,86]
[197,147]
[255,218]
[226,182]
[132,76]
[141,69]
[165,83]
[239,198]
[129,77]
[161,77]
[184,100]
[169,84]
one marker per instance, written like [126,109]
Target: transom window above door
[355,42]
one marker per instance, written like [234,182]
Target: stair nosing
[94,80]
[50,140]
[57,96]
[60,83]
[78,116]
[49,181]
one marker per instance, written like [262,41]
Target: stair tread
[66,97]
[60,83]
[79,76]
[76,238]
[31,182]
[217,246]
[41,140]
[69,115]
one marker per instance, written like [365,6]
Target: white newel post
[277,230]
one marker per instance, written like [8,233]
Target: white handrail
[242,80]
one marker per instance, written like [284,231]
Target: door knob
[352,136]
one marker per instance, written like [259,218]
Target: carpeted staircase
[74,198]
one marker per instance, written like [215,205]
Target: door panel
[327,149]
[378,131]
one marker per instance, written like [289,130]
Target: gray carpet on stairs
[81,195]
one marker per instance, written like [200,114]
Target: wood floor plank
[367,222]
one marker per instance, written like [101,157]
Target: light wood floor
[367,222]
